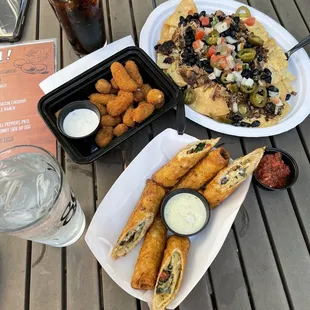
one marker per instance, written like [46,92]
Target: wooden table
[264,262]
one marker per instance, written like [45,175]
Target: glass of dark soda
[82,21]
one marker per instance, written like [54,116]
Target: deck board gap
[109,30]
[150,132]
[64,278]
[133,22]
[154,4]
[302,16]
[28,276]
[273,248]
[211,290]
[100,286]
[38,21]
[243,269]
[95,187]
[303,142]
[299,219]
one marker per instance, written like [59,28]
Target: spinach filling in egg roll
[140,220]
[171,271]
[205,170]
[182,162]
[229,178]
[150,256]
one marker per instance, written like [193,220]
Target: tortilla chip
[204,104]
[171,23]
[258,29]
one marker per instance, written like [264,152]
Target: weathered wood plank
[303,7]
[82,268]
[291,19]
[121,22]
[13,251]
[288,242]
[108,168]
[228,282]
[141,10]
[45,285]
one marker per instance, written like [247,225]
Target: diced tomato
[250,21]
[211,50]
[205,21]
[199,35]
[238,67]
[163,276]
[274,100]
[219,60]
[197,45]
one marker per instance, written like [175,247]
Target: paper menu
[22,68]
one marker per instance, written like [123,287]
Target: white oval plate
[299,65]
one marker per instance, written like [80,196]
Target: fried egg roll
[140,220]
[205,170]
[150,257]
[171,271]
[182,162]
[229,178]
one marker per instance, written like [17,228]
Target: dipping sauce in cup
[185,212]
[80,123]
[79,119]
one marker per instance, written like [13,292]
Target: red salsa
[272,171]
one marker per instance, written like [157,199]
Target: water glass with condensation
[36,201]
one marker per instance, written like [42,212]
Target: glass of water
[36,201]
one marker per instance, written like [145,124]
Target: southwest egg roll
[140,220]
[150,256]
[229,178]
[205,170]
[171,271]
[182,162]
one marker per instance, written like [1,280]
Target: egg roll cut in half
[229,178]
[140,220]
[205,170]
[150,256]
[171,271]
[182,162]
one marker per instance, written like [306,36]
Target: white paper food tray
[113,212]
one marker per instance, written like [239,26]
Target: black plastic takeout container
[84,151]
[288,160]
[81,104]
[180,191]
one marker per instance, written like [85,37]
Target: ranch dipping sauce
[80,123]
[185,214]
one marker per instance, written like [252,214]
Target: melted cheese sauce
[185,213]
[80,123]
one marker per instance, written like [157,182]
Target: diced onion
[280,104]
[240,46]
[208,30]
[230,61]
[231,40]
[212,76]
[273,93]
[230,77]
[249,82]
[221,27]
[243,81]
[235,107]
[238,76]
[276,110]
[217,72]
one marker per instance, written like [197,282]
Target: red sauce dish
[277,170]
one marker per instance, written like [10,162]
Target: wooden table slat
[46,276]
